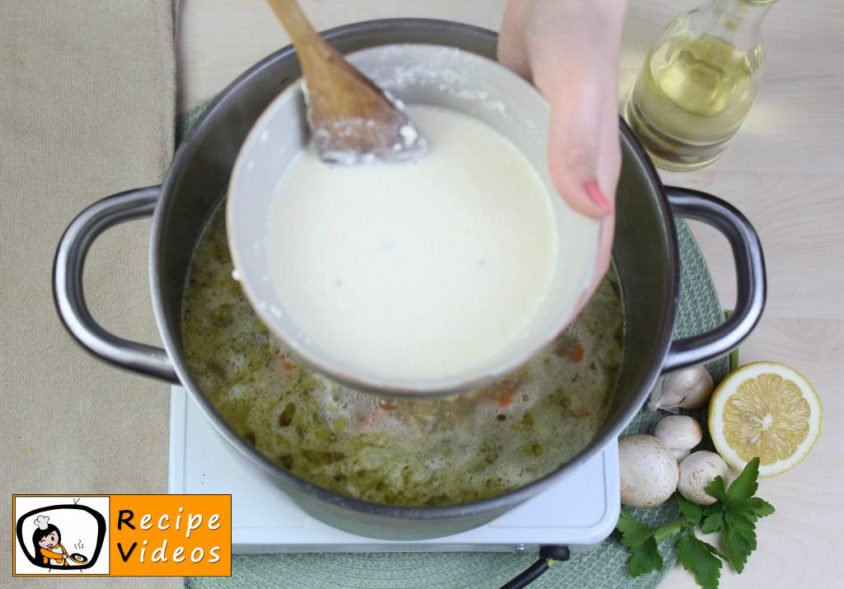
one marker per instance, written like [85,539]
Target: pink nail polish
[598,197]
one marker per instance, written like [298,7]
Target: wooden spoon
[351,119]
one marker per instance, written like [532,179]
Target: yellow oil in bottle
[691,98]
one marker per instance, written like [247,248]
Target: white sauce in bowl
[415,270]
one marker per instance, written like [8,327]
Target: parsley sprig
[733,515]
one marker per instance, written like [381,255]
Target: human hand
[569,50]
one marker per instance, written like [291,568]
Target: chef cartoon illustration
[73,549]
[47,542]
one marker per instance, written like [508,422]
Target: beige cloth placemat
[87,98]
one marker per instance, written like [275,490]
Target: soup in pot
[411,452]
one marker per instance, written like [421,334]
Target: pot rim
[184,154]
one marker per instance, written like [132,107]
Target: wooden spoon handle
[309,45]
[336,90]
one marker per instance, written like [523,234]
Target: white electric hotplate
[579,512]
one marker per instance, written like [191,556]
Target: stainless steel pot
[645,255]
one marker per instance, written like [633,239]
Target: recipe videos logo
[121,535]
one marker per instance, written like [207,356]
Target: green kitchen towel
[603,567]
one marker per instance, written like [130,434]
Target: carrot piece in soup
[576,353]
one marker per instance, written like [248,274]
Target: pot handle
[750,277]
[70,298]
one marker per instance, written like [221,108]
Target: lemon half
[768,410]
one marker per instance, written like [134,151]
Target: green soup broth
[412,452]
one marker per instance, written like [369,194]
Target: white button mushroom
[697,470]
[687,388]
[649,472]
[679,433]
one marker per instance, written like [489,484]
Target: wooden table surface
[784,171]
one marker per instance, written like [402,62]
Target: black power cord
[548,555]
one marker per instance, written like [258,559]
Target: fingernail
[598,197]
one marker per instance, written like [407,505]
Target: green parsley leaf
[640,540]
[740,512]
[714,522]
[717,489]
[745,486]
[739,538]
[691,511]
[633,533]
[645,558]
[756,506]
[700,559]
[669,530]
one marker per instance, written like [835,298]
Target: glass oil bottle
[698,83]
